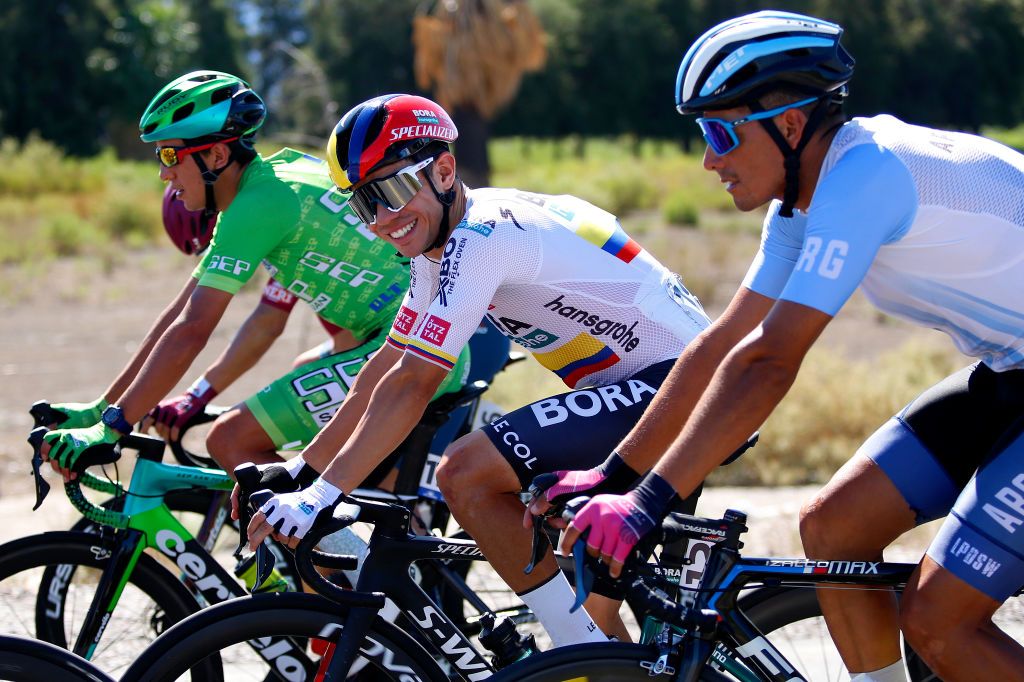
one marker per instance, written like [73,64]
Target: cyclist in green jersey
[282,210]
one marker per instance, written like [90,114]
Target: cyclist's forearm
[253,339]
[743,392]
[322,449]
[394,409]
[131,370]
[166,365]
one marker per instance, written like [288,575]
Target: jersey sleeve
[867,200]
[253,225]
[475,263]
[780,247]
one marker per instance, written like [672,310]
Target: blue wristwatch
[113,417]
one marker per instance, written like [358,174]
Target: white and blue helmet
[741,59]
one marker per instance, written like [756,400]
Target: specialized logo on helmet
[416,132]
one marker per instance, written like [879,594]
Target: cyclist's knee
[817,526]
[219,444]
[471,466]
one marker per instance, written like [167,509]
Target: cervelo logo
[192,565]
[405,319]
[590,402]
[435,330]
[235,266]
[832,258]
[412,132]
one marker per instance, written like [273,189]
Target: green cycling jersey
[288,214]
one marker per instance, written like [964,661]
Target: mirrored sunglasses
[172,156]
[392,192]
[720,134]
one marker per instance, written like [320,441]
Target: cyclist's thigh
[292,409]
[574,430]
[237,433]
[936,443]
[982,541]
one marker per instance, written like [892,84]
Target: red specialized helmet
[190,231]
[383,130]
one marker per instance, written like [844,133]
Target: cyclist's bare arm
[395,406]
[131,370]
[341,341]
[174,351]
[252,340]
[692,373]
[750,382]
[322,449]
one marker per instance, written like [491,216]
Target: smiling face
[414,228]
[753,172]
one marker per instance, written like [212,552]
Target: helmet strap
[791,155]
[446,199]
[210,177]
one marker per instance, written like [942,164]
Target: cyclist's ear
[443,170]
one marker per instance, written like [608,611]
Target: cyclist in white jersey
[931,225]
[554,273]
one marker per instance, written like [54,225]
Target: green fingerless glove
[88,446]
[80,415]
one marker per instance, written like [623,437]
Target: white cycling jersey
[931,223]
[557,275]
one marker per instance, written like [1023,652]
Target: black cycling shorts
[574,430]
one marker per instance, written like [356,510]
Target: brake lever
[539,548]
[583,576]
[264,557]
[42,487]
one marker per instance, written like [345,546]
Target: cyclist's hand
[79,415]
[557,488]
[290,515]
[174,414]
[618,522]
[65,448]
[278,477]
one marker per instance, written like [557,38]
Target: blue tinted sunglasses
[722,138]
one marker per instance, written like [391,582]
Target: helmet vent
[182,112]
[220,95]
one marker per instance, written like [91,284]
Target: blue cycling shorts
[957,451]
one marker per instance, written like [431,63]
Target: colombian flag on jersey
[578,358]
[609,237]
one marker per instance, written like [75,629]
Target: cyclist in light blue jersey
[930,225]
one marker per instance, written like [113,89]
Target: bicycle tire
[29,660]
[392,653]
[771,609]
[153,600]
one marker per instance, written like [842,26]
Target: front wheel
[70,565]
[29,660]
[247,633]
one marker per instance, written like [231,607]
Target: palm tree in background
[472,54]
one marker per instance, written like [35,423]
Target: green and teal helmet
[203,105]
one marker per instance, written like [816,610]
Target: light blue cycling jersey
[930,223]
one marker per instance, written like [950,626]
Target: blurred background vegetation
[559,96]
